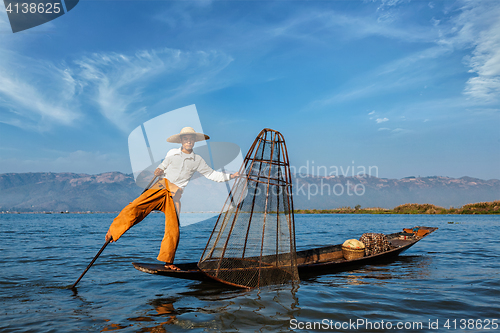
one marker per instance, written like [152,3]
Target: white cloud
[180,13]
[117,82]
[398,75]
[317,24]
[381,120]
[395,131]
[485,62]
[478,26]
[390,3]
[485,89]
[37,95]
[36,106]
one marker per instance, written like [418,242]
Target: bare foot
[172,267]
[109,237]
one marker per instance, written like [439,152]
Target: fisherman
[175,171]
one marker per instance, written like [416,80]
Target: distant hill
[27,192]
[111,191]
[389,193]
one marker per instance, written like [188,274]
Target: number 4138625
[472,324]
[32,8]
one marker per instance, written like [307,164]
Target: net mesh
[253,241]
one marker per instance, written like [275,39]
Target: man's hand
[108,237]
[158,172]
[235,175]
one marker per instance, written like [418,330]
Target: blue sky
[411,87]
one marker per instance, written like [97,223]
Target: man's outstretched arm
[216,176]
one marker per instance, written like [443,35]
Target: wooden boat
[328,259]
[254,236]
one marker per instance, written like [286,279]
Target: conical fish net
[253,241]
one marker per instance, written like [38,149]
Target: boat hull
[310,262]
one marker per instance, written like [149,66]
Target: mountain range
[111,191]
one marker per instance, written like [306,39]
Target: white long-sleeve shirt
[179,167]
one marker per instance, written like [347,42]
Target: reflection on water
[113,327]
[400,268]
[222,310]
[164,314]
[226,309]
[240,310]
[453,273]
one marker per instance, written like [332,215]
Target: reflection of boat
[327,259]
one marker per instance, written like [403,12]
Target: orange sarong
[160,197]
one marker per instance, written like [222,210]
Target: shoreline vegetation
[490,207]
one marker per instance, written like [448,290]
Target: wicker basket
[351,254]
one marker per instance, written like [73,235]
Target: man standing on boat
[175,172]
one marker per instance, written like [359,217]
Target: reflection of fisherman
[177,169]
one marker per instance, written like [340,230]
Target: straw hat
[176,138]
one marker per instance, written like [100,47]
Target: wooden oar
[149,185]
[92,262]
[105,244]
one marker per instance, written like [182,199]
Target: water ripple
[452,274]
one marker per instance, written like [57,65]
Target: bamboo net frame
[253,241]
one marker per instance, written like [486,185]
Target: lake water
[450,277]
